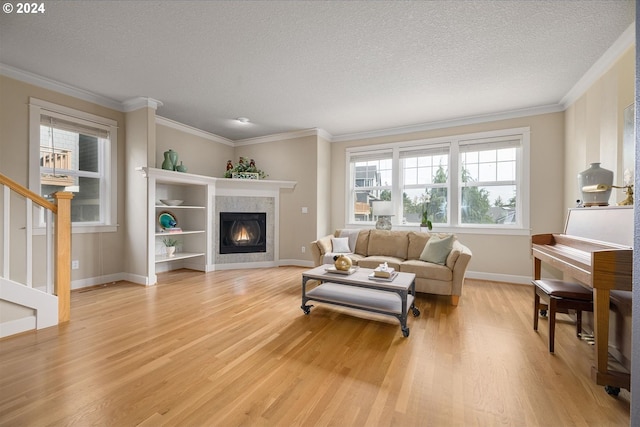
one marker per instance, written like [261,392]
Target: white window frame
[108,193]
[430,148]
[454,186]
[372,154]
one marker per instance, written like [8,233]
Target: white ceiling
[345,67]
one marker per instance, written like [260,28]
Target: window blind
[484,145]
[370,156]
[83,127]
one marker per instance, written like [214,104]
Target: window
[372,180]
[72,151]
[425,183]
[488,182]
[474,181]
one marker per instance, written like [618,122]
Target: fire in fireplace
[243,232]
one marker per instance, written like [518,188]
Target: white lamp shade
[382,208]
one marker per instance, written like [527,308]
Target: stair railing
[61,239]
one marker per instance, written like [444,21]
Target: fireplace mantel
[204,197]
[162,175]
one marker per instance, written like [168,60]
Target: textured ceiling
[345,67]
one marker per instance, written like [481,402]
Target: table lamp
[383,209]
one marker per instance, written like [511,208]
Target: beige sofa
[401,250]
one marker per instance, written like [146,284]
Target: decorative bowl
[171,202]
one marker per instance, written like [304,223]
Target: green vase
[170,160]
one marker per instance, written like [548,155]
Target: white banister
[55,268]
[29,244]
[49,257]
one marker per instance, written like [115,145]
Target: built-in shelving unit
[181,212]
[194,216]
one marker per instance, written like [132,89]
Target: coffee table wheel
[611,390]
[415,311]
[306,308]
[543,313]
[405,332]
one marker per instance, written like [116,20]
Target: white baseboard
[98,280]
[495,277]
[295,263]
[242,265]
[135,278]
[108,278]
[143,280]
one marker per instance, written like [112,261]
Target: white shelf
[177,256]
[179,207]
[160,234]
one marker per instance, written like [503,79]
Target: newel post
[63,254]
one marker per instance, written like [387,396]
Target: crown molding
[163,121]
[140,102]
[624,42]
[283,136]
[484,118]
[43,82]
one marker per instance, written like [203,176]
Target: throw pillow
[340,245]
[352,235]
[437,249]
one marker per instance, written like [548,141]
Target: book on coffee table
[383,273]
[332,269]
[373,276]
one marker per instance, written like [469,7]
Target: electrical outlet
[75,264]
[304,249]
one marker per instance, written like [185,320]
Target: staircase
[27,303]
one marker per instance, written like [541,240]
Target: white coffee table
[357,290]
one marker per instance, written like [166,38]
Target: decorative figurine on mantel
[245,169]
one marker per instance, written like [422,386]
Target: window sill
[457,230]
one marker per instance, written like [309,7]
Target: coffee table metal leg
[305,308]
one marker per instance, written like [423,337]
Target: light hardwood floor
[232,348]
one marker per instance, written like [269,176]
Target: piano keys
[596,250]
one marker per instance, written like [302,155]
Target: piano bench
[561,296]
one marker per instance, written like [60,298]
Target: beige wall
[14,148]
[492,254]
[201,156]
[594,127]
[291,160]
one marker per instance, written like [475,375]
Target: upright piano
[596,250]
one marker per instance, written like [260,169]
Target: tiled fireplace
[244,231]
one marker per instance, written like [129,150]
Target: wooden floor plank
[233,348]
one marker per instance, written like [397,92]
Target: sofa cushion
[375,260]
[437,249]
[427,270]
[356,258]
[388,243]
[362,242]
[340,245]
[416,244]
[352,235]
